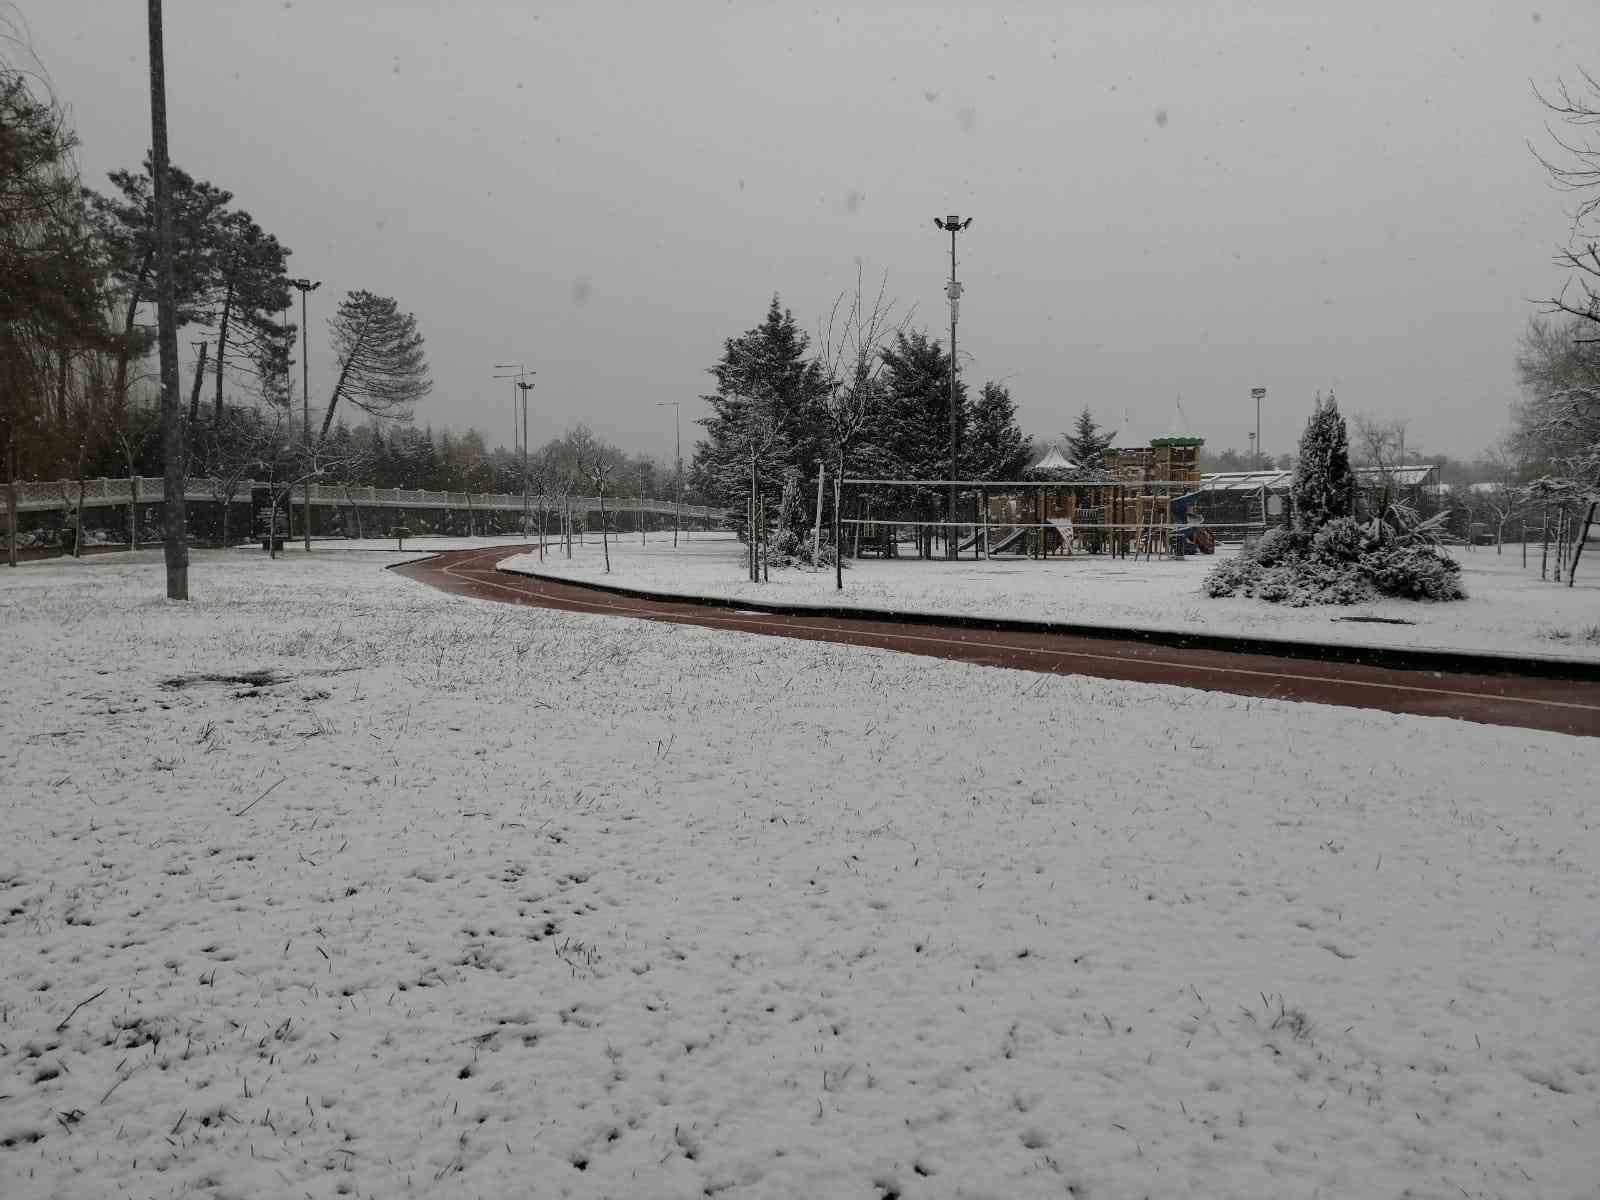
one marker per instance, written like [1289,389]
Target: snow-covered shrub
[1273,547]
[1328,557]
[1297,582]
[1231,577]
[1413,573]
[1341,540]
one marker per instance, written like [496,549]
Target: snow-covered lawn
[1509,610]
[480,900]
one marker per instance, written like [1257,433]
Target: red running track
[1561,706]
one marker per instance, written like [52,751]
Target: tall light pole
[677,444]
[304,286]
[525,387]
[952,290]
[1258,394]
[519,374]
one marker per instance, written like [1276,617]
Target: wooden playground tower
[1129,513]
[1150,478]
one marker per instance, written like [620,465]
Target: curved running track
[1562,706]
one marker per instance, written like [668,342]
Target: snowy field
[1509,611]
[477,900]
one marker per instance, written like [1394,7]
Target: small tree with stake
[852,344]
[596,467]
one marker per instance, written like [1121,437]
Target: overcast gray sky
[1170,198]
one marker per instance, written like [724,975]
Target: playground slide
[998,544]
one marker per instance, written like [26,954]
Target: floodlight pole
[517,438]
[304,286]
[1258,394]
[524,387]
[955,225]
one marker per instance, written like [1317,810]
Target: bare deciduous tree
[1575,167]
[850,347]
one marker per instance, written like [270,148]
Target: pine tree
[995,446]
[250,288]
[383,370]
[1324,487]
[767,416]
[911,438]
[1087,443]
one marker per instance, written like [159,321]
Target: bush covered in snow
[1343,563]
[1328,557]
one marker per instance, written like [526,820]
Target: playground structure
[1150,502]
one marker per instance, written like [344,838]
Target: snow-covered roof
[1246,481]
[1413,476]
[1054,460]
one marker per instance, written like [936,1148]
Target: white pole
[816,532]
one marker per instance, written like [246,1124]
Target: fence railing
[34,495]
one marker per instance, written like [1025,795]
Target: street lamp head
[953,223]
[305,285]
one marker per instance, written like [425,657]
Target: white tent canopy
[1054,460]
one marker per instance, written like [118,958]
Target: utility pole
[677,444]
[1258,394]
[175,542]
[952,290]
[304,286]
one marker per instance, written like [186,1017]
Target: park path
[1530,702]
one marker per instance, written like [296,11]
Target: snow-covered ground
[1509,610]
[483,900]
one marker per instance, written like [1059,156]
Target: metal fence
[37,495]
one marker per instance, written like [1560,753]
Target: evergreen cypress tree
[1087,443]
[1324,487]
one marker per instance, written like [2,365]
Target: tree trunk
[63,363]
[222,345]
[194,393]
[838,529]
[77,517]
[227,504]
[177,516]
[143,273]
[11,495]
[1583,539]
[1544,541]
[605,538]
